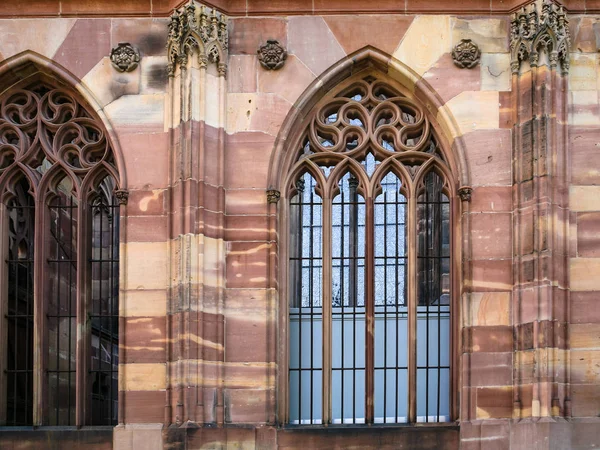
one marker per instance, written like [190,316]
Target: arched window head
[369,277]
[59,241]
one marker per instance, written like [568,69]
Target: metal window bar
[433,312]
[104,310]
[62,310]
[390,313]
[19,312]
[305,314]
[348,304]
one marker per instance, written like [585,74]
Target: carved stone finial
[466,54]
[122,196]
[273,196]
[200,31]
[533,34]
[272,55]
[125,57]
[465,193]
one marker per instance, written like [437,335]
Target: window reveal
[369,263]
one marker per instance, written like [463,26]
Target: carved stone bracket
[272,55]
[533,34]
[197,30]
[273,196]
[125,57]
[466,54]
[122,196]
[465,193]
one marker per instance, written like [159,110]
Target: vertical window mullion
[83,338]
[369,310]
[326,304]
[412,307]
[40,334]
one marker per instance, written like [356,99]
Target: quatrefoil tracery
[370,128]
[46,132]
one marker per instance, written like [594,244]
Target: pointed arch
[376,136]
[28,66]
[390,69]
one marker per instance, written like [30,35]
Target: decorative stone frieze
[125,57]
[466,54]
[272,55]
[201,30]
[533,35]
[273,196]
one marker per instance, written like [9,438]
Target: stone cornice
[233,8]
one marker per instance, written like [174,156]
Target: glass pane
[19,312]
[391,320]
[306,315]
[433,310]
[104,312]
[61,304]
[348,301]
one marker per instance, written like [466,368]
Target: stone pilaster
[540,45]
[197,65]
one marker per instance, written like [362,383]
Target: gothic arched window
[59,242]
[368,277]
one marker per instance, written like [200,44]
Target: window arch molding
[62,150]
[285,168]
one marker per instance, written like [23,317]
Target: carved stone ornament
[125,57]
[272,55]
[273,196]
[200,31]
[533,34]
[465,193]
[122,196]
[466,54]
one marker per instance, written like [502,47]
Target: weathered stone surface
[311,40]
[490,35]
[474,111]
[495,72]
[289,82]
[448,87]
[490,164]
[432,36]
[381,31]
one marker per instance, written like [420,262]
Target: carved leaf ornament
[370,129]
[48,135]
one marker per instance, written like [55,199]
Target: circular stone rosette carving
[124,57]
[272,55]
[466,54]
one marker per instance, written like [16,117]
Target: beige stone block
[240,108]
[585,274]
[107,84]
[495,72]
[143,303]
[140,111]
[427,39]
[473,111]
[584,336]
[489,308]
[45,37]
[583,108]
[147,436]
[288,82]
[145,265]
[213,258]
[210,108]
[491,35]
[584,198]
[142,377]
[583,74]
[256,112]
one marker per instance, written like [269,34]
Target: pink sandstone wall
[199,298]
